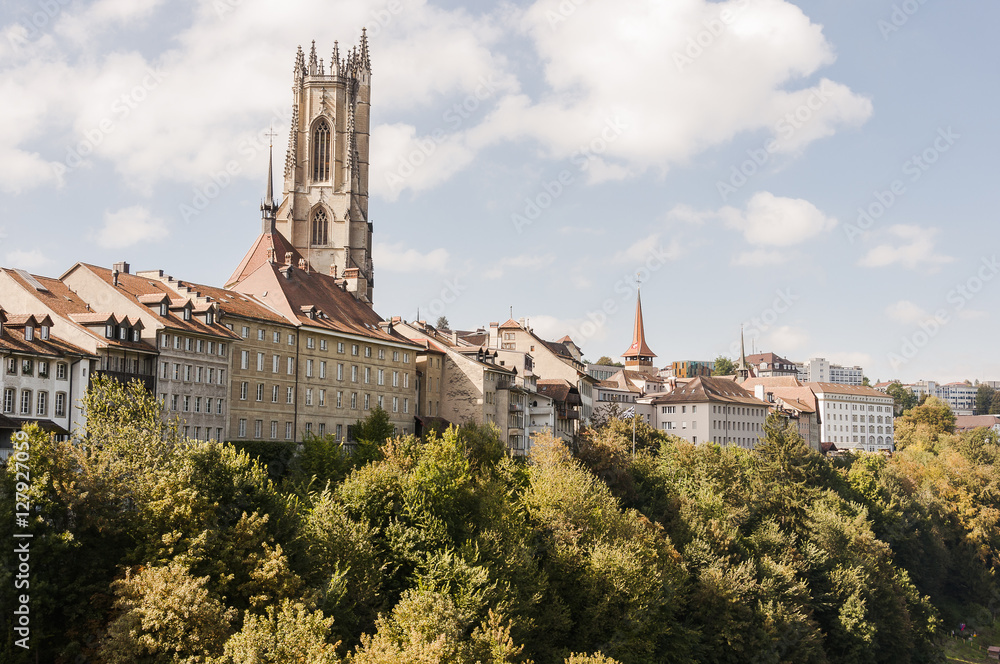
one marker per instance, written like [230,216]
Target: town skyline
[565,207]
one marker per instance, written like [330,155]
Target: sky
[819,173]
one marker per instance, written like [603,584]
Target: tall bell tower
[324,213]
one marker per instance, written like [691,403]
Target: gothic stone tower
[324,214]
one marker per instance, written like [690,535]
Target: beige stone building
[712,410]
[193,364]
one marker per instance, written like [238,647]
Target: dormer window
[44,333]
[164,309]
[209,318]
[135,336]
[122,332]
[187,313]
[29,333]
[109,331]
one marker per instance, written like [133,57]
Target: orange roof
[638,347]
[273,242]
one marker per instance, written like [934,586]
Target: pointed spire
[322,71]
[743,370]
[313,64]
[268,209]
[365,58]
[639,349]
[335,59]
[300,64]
[291,156]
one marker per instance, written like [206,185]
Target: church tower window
[320,228]
[321,152]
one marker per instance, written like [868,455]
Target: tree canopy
[724,366]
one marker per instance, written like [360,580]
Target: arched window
[320,228]
[321,152]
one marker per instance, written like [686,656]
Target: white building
[961,397]
[712,410]
[854,417]
[819,370]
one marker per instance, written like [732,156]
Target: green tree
[903,398]
[933,413]
[442,323]
[286,633]
[724,366]
[984,399]
[606,361]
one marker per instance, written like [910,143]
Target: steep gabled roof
[704,389]
[639,348]
[273,242]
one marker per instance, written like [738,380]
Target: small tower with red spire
[639,357]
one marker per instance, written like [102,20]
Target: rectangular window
[406,405]
[187,343]
[197,433]
[258,425]
[354,400]
[61,371]
[309,427]
[322,429]
[274,394]
[244,388]
[368,374]
[165,340]
[43,369]
[322,397]
[244,359]
[395,404]
[164,370]
[395,379]
[42,407]
[198,374]
[274,429]
[368,351]
[288,430]
[322,344]
[291,339]
[211,375]
[322,369]
[290,396]
[208,405]
[276,337]
[211,351]
[354,349]
[340,346]
[368,401]
[27,368]
[222,350]
[309,396]
[177,342]
[340,371]
[197,404]
[340,399]
[60,404]
[381,353]
[187,373]
[309,368]
[187,404]
[275,363]
[395,356]
[291,366]
[222,376]
[201,345]
[173,402]
[354,373]
[260,361]
[406,380]
[340,431]
[406,358]
[260,337]
[310,343]
[260,391]
[26,402]
[381,377]
[218,407]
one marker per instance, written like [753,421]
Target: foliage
[606,361]
[904,399]
[723,366]
[447,549]
[442,323]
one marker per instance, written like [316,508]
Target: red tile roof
[638,347]
[274,242]
[703,388]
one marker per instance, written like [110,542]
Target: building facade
[711,410]
[819,370]
[855,417]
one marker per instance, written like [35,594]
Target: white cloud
[521,263]
[773,221]
[398,258]
[130,226]
[906,312]
[761,258]
[31,260]
[786,339]
[916,250]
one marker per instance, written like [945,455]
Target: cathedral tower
[324,214]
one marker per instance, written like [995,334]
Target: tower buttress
[324,214]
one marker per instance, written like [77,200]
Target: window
[354,349]
[340,371]
[260,391]
[222,376]
[310,343]
[368,374]
[309,396]
[354,373]
[218,407]
[246,332]
[260,361]
[309,368]
[173,402]
[321,152]
[201,345]
[340,399]
[322,344]
[211,374]
[395,379]
[211,348]
[291,366]
[381,353]
[258,428]
[340,346]
[274,394]
[354,400]
[177,342]
[322,369]
[406,405]
[187,313]
[42,407]
[368,401]
[197,404]
[276,337]
[275,363]
[291,339]
[187,372]
[164,369]
[60,404]
[395,404]
[187,404]
[368,351]
[340,431]
[222,350]
[61,371]
[260,335]
[274,429]
[395,356]
[27,368]
[165,340]
[244,359]
[208,405]
[199,374]
[288,430]
[290,395]
[322,397]
[406,358]
[187,343]
[309,427]
[381,377]
[244,387]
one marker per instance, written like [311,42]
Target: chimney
[494,341]
[121,268]
[333,270]
[288,258]
[758,391]
[302,264]
[454,337]
[114,277]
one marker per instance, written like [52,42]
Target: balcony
[515,407]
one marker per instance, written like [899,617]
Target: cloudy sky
[820,172]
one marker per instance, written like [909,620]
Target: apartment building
[854,417]
[715,410]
